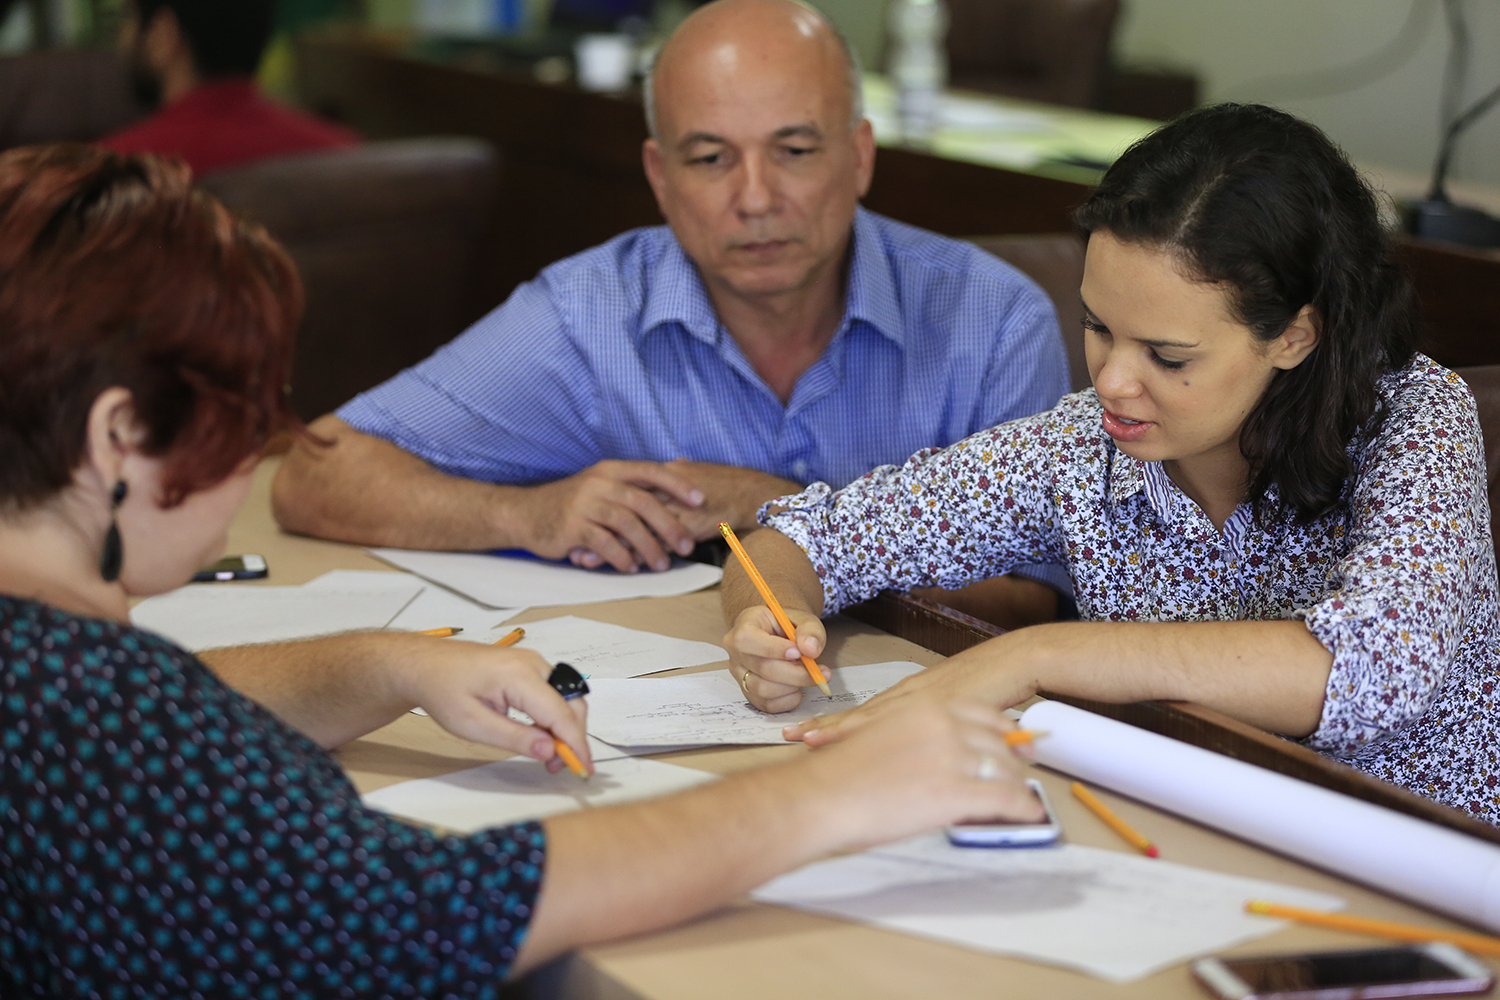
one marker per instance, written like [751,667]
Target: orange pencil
[1016,737]
[510,638]
[441,633]
[771,602]
[1482,944]
[1114,822]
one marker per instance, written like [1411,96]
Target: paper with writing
[599,649]
[710,708]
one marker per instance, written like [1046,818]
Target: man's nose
[757,195]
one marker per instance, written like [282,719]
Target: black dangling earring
[114,552]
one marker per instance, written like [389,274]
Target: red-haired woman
[168,828]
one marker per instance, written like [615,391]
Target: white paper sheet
[1114,915]
[710,708]
[1430,864]
[506,582]
[600,650]
[434,607]
[210,615]
[517,789]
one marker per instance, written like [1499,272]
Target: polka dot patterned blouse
[1398,581]
[161,835]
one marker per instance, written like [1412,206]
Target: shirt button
[799,469]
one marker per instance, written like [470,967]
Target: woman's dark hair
[1264,204]
[227,37]
[116,271]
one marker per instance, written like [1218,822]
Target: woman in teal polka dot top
[175,828]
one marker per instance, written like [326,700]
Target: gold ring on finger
[744,685]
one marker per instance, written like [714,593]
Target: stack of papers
[209,615]
[650,715]
[434,607]
[1114,915]
[517,581]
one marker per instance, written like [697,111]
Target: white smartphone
[1002,833]
[1418,970]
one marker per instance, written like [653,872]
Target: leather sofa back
[387,238]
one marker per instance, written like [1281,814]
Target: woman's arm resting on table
[341,687]
[630,869]
[764,663]
[1271,674]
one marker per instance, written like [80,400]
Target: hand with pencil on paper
[341,687]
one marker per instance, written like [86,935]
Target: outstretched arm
[635,868]
[365,490]
[1271,674]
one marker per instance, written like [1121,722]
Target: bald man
[772,334]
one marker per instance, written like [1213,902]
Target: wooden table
[752,950]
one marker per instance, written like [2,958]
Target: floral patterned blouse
[1397,581]
[162,835]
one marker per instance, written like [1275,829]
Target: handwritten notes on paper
[600,650]
[1110,914]
[517,789]
[709,708]
[211,615]
[517,581]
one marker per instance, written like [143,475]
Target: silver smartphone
[1001,833]
[1418,970]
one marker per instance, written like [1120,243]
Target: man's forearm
[368,491]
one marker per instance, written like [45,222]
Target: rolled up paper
[1409,857]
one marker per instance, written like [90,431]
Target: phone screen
[1346,968]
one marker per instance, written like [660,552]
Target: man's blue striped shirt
[616,353]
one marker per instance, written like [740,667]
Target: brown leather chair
[1054,261]
[1055,51]
[64,94]
[387,238]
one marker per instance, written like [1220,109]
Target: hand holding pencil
[814,671]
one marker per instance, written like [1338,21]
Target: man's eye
[708,159]
[795,151]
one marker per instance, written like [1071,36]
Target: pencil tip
[823,686]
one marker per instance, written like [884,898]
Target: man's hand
[730,493]
[613,512]
[725,492]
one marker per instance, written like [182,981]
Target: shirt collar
[675,292]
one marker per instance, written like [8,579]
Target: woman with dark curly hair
[1268,502]
[171,826]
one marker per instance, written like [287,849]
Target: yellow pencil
[771,602]
[510,638]
[1114,822]
[1482,944]
[570,758]
[441,633]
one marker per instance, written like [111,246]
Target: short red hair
[115,271]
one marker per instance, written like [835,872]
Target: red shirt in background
[227,123]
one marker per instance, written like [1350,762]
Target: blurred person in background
[196,60]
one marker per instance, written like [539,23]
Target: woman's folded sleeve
[1394,616]
[946,518]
